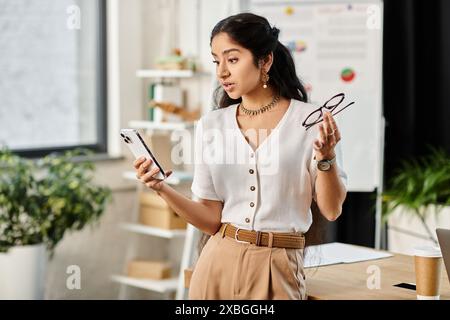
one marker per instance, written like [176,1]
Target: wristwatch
[325,165]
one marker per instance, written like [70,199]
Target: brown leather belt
[264,239]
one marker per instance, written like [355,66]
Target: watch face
[323,165]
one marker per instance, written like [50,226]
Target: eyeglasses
[316,116]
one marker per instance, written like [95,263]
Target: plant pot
[405,230]
[22,272]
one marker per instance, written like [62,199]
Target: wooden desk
[349,281]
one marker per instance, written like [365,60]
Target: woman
[256,208]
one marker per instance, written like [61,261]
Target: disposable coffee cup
[428,265]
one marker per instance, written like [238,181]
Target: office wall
[140,31]
[100,251]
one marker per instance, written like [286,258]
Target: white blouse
[267,189]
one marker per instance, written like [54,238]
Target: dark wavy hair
[254,33]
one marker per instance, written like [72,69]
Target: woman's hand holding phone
[148,177]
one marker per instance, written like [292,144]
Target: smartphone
[139,149]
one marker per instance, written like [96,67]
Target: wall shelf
[176,178]
[162,286]
[151,125]
[153,231]
[156,73]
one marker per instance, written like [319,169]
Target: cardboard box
[155,212]
[146,269]
[161,218]
[187,277]
[151,199]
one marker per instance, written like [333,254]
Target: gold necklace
[262,109]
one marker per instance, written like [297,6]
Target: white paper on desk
[336,252]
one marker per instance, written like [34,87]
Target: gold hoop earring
[265,79]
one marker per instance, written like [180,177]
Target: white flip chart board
[337,47]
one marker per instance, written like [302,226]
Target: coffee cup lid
[427,251]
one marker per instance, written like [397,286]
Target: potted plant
[422,187]
[39,201]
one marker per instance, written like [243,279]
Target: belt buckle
[236,234]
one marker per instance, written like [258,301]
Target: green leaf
[419,183]
[42,200]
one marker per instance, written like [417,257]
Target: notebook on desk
[336,252]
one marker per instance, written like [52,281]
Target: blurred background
[74,72]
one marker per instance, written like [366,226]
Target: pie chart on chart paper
[347,75]
[300,46]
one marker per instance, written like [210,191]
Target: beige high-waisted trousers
[227,270]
